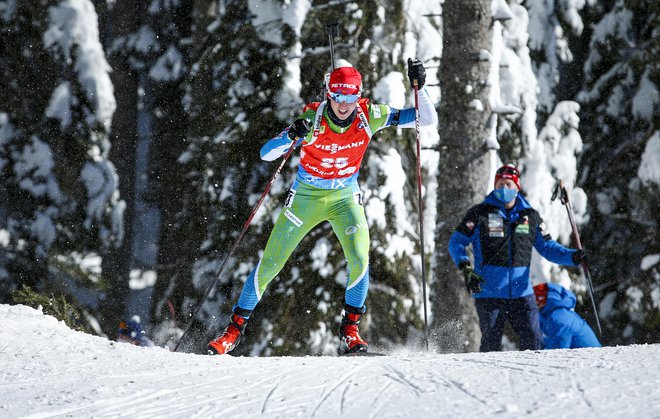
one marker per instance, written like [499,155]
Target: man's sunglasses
[339,98]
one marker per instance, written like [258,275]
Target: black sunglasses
[508,170]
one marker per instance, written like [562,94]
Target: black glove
[299,129]
[473,280]
[417,72]
[579,256]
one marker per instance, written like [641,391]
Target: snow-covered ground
[48,370]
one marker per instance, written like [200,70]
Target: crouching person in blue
[132,332]
[562,327]
[502,230]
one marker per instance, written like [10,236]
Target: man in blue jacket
[502,230]
[562,327]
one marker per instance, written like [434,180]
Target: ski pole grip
[332,29]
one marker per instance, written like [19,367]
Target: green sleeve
[378,115]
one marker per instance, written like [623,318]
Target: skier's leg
[491,323]
[350,225]
[524,319]
[297,218]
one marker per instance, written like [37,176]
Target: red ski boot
[230,337]
[349,335]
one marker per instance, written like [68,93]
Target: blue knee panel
[357,295]
[249,299]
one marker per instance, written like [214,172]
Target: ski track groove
[136,400]
[529,364]
[449,383]
[508,366]
[109,407]
[582,393]
[333,388]
[401,378]
[270,393]
[206,403]
[342,402]
[372,410]
[461,387]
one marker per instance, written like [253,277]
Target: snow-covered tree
[164,48]
[59,190]
[121,21]
[621,106]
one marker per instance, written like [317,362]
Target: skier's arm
[462,237]
[406,118]
[549,248]
[278,146]
[427,114]
[383,116]
[457,244]
[552,250]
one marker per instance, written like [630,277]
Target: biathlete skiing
[333,137]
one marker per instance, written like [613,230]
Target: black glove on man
[299,129]
[473,280]
[579,256]
[416,71]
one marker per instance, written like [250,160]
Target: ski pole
[333,30]
[560,191]
[237,241]
[421,208]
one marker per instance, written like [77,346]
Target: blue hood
[559,297]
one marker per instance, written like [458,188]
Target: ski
[362,353]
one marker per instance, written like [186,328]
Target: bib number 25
[338,163]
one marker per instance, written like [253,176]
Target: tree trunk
[464,161]
[124,19]
[182,224]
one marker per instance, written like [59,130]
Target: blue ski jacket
[562,327]
[502,241]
